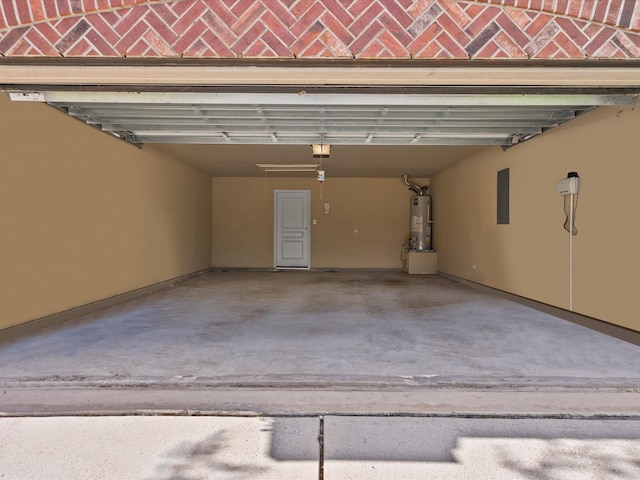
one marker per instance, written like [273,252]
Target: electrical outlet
[474,267]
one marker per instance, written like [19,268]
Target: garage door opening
[240,332]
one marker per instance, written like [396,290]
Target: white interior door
[291,217]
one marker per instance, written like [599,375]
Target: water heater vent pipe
[415,188]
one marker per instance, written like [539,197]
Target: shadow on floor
[202,460]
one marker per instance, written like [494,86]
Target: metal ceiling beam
[322,100]
[305,125]
[346,130]
[227,115]
[327,139]
[291,110]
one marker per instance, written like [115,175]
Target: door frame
[275,229]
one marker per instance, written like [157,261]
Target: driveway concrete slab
[158,448]
[467,448]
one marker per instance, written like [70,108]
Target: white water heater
[420,233]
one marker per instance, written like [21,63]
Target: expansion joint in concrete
[321,448]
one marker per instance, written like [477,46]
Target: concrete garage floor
[270,342]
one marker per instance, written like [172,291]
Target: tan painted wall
[530,256]
[377,207]
[85,216]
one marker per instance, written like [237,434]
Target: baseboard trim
[57,318]
[598,325]
[310,269]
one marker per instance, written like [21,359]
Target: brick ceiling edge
[29,23]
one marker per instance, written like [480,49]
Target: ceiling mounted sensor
[323,119]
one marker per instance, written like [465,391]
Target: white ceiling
[421,161]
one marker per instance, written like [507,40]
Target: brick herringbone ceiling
[436,29]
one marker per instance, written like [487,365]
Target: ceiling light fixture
[275,167]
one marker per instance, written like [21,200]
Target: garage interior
[144,257]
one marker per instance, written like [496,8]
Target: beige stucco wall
[530,256]
[85,216]
[378,208]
